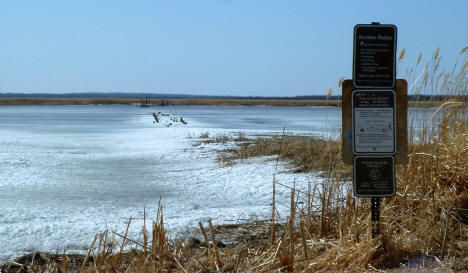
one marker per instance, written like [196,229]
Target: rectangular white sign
[373,121]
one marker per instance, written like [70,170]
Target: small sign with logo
[374,176]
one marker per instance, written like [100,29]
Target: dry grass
[305,154]
[425,104]
[52,101]
[250,102]
[330,231]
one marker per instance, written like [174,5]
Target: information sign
[374,56]
[373,118]
[374,176]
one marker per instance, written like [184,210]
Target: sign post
[375,216]
[373,113]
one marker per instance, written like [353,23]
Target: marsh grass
[303,153]
[68,101]
[328,229]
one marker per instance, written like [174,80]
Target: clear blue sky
[223,47]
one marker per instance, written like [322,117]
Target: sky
[217,47]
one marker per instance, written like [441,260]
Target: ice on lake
[69,172]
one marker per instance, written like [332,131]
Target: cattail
[402,54]
[329,93]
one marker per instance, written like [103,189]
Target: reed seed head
[419,58]
[340,81]
[436,53]
[402,54]
[329,93]
[465,49]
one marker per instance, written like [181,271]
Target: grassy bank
[172,102]
[304,154]
[52,101]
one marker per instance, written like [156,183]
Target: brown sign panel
[401,113]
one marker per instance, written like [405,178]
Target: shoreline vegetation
[195,102]
[303,154]
[423,228]
[167,102]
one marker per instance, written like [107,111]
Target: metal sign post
[374,127]
[375,215]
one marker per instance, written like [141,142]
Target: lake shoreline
[189,102]
[227,236]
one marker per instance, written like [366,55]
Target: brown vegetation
[305,154]
[251,102]
[176,102]
[52,101]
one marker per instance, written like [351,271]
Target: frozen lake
[69,172]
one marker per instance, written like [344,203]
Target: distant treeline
[119,95]
[124,95]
